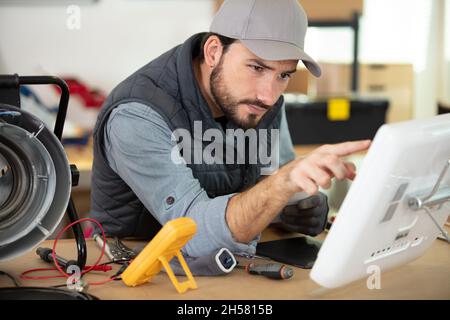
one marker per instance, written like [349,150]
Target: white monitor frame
[382,221]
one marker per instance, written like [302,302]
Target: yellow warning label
[338,109]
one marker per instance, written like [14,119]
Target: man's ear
[213,50]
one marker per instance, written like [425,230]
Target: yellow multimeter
[159,251]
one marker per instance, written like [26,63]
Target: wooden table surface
[425,278]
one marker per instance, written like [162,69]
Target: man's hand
[320,166]
[251,211]
[308,216]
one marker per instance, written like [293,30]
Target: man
[230,78]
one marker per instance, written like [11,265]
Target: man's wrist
[284,180]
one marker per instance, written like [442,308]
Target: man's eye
[256,68]
[285,76]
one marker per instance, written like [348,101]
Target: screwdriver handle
[46,255]
[270,270]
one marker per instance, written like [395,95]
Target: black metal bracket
[75,175]
[435,198]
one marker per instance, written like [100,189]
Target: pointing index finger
[347,148]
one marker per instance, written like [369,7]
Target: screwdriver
[269,270]
[46,255]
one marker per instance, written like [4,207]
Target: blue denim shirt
[138,148]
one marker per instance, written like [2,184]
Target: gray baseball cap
[271,29]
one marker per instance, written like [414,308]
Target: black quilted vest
[167,85]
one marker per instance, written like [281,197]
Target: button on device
[170,200]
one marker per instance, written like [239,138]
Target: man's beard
[228,104]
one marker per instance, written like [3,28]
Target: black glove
[308,216]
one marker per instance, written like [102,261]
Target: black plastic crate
[309,123]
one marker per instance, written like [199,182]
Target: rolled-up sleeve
[139,148]
[287,152]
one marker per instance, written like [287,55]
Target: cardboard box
[331,9]
[299,82]
[335,80]
[325,9]
[393,81]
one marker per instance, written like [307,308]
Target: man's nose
[267,92]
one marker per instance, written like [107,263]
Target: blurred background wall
[115,37]
[118,36]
